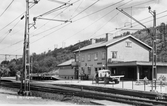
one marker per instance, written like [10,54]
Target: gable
[133,39]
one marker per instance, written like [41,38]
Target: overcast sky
[90,19]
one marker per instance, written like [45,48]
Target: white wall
[136,52]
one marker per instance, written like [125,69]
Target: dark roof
[66,63]
[111,42]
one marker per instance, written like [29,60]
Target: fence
[143,85]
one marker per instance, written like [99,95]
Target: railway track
[90,92]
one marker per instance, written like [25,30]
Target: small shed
[66,71]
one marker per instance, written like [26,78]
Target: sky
[86,19]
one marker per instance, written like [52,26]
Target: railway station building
[125,55]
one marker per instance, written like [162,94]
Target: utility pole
[25,73]
[154,49]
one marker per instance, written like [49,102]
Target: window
[128,44]
[96,56]
[83,58]
[77,58]
[89,57]
[103,55]
[89,70]
[114,54]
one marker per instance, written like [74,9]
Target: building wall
[88,66]
[66,72]
[161,72]
[132,52]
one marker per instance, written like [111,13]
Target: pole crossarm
[55,9]
[59,2]
[55,20]
[122,11]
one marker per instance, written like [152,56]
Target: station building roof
[66,63]
[111,42]
[136,63]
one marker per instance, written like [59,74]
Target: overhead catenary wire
[142,20]
[98,10]
[88,15]
[47,23]
[15,19]
[38,33]
[73,17]
[86,8]
[76,8]
[53,10]
[7,8]
[97,20]
[75,21]
[104,24]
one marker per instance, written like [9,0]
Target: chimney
[93,41]
[109,36]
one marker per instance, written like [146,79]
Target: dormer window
[128,44]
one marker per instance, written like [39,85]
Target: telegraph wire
[15,19]
[152,19]
[53,10]
[7,8]
[77,8]
[48,22]
[92,13]
[142,19]
[75,21]
[41,32]
[50,33]
[97,20]
[139,4]
[86,8]
[10,30]
[104,24]
[47,30]
[98,10]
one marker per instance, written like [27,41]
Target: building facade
[102,55]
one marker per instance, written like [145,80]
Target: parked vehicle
[105,75]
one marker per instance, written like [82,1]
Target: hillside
[48,61]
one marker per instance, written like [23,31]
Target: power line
[48,22]
[143,19]
[47,30]
[98,10]
[38,33]
[105,24]
[82,18]
[10,30]
[50,33]
[97,20]
[53,10]
[77,8]
[15,19]
[65,25]
[7,8]
[75,21]
[86,8]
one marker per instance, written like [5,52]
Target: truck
[105,75]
